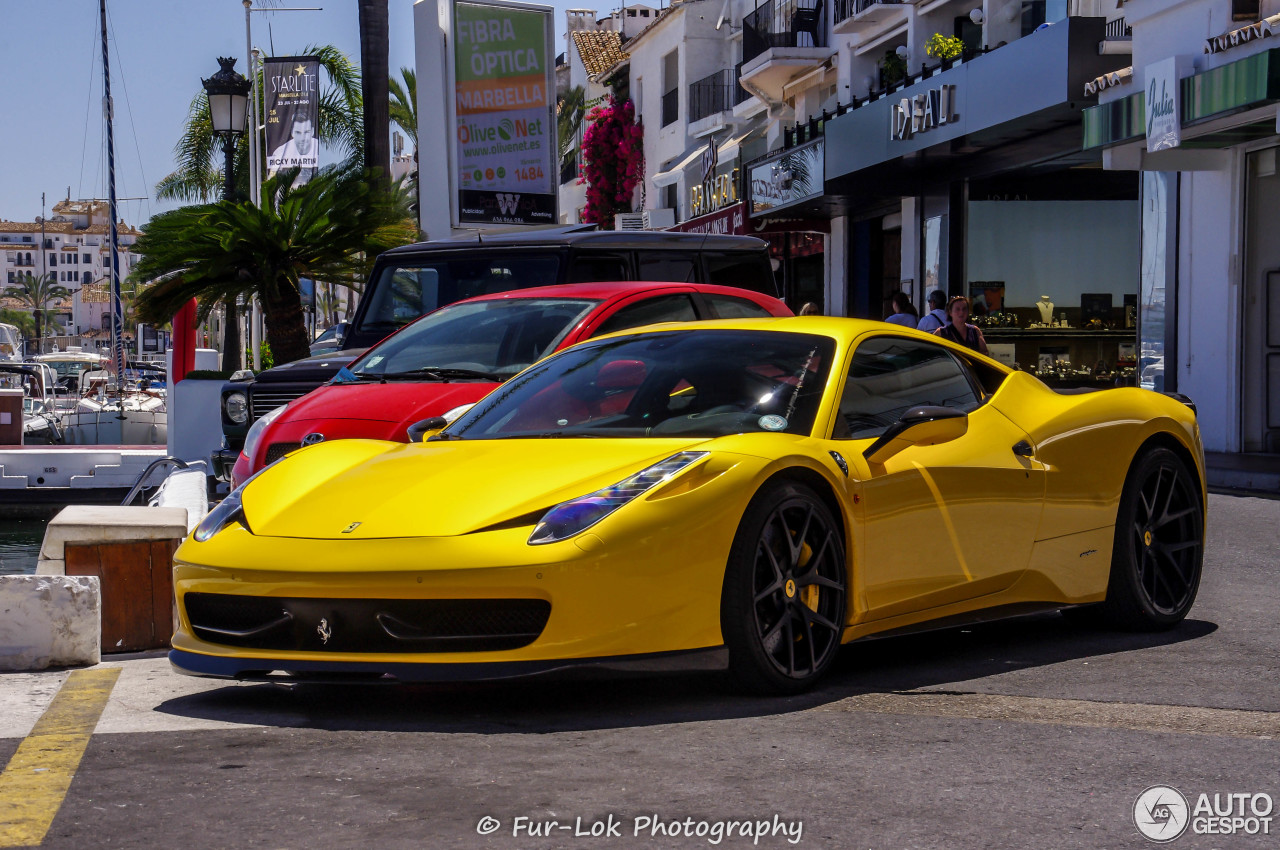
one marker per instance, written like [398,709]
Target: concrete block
[107,523]
[49,621]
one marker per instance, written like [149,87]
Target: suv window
[741,270]
[668,308]
[589,268]
[403,293]
[672,266]
[890,375]
[732,307]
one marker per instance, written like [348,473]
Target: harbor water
[20,545]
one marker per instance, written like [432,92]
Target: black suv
[411,281]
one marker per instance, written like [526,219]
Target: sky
[51,136]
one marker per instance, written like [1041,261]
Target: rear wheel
[1159,546]
[783,606]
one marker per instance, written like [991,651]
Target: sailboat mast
[117,307]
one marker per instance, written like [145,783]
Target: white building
[75,250]
[1207,158]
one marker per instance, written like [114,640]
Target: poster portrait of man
[292,115]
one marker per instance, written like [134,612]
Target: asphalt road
[1027,733]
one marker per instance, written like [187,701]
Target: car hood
[399,402]
[318,367]
[353,489]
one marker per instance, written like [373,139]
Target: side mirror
[919,426]
[340,331]
[418,430]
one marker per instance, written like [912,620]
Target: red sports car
[456,355]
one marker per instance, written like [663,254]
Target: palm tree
[198,153]
[404,104]
[570,109]
[326,229]
[35,291]
[375,87]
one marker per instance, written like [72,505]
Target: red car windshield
[703,383]
[486,340]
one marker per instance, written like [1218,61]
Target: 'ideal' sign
[922,112]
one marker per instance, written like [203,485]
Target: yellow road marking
[36,780]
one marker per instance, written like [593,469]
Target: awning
[675,172]
[728,149]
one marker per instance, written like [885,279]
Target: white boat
[41,420]
[132,417]
[10,343]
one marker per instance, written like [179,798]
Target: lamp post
[228,96]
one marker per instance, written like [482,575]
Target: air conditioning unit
[645,220]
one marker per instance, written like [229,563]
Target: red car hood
[370,411]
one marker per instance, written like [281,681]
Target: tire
[1158,553]
[782,610]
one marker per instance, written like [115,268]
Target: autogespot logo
[1161,813]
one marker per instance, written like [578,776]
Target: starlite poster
[292,101]
[504,91]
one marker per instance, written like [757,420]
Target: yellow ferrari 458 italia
[749,494]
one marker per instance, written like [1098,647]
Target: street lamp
[228,94]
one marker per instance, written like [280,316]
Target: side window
[589,268]
[668,308]
[890,375]
[671,266]
[743,270]
[730,307]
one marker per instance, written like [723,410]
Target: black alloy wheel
[1159,546]
[783,607]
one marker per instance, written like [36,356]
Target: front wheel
[1159,546]
[783,606]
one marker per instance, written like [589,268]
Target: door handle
[1023,449]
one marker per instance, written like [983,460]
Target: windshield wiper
[434,373]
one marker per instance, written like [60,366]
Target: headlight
[569,518]
[255,433]
[229,510]
[236,407]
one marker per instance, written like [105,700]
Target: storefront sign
[794,176]
[1264,28]
[720,191]
[1164,124]
[730,221]
[504,80]
[925,111]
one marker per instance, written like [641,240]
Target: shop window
[889,375]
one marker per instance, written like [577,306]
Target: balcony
[864,16]
[714,94]
[781,40]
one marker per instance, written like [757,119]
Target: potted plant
[893,68]
[943,47]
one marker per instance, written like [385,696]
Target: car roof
[843,329]
[559,237]
[605,290]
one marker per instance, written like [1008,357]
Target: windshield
[71,368]
[403,293]
[696,383]
[491,338]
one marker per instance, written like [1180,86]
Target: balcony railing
[1118,28]
[783,23]
[569,168]
[849,8]
[718,92]
[670,107]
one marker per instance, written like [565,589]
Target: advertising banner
[291,87]
[794,176]
[504,92]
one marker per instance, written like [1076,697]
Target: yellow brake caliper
[809,593]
